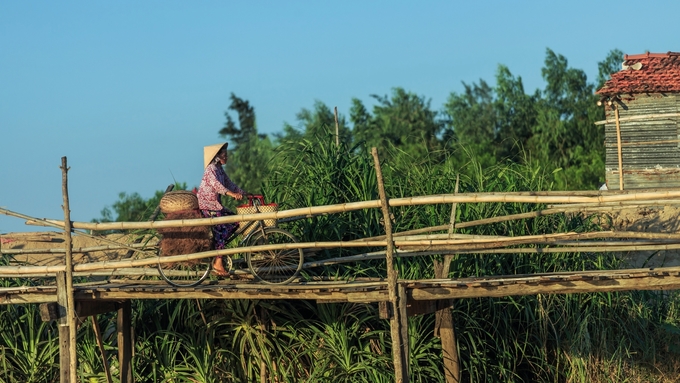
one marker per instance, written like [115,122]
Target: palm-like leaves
[28,348]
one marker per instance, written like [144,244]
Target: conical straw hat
[209,153]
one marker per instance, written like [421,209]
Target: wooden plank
[85,309]
[567,287]
[28,298]
[363,297]
[327,301]
[49,311]
[384,310]
[415,308]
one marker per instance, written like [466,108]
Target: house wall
[650,146]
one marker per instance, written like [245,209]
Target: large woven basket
[179,200]
[256,205]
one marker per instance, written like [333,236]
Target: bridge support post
[443,327]
[443,323]
[124,327]
[68,372]
[398,318]
[64,330]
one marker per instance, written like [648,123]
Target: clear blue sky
[130,91]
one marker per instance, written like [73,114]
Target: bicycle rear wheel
[274,266]
[185,274]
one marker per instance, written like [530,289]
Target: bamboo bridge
[114,283]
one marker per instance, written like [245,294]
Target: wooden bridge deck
[363,291]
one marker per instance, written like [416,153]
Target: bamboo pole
[585,207]
[618,146]
[337,128]
[310,245]
[399,345]
[70,308]
[100,344]
[620,204]
[444,316]
[643,117]
[465,244]
[403,327]
[76,249]
[421,237]
[538,213]
[60,225]
[473,245]
[647,143]
[377,255]
[541,250]
[63,328]
[394,202]
[129,272]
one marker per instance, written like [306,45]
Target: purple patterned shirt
[215,182]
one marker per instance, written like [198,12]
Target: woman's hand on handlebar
[237,196]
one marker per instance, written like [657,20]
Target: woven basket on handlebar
[257,207]
[178,200]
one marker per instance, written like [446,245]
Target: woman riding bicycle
[216,182]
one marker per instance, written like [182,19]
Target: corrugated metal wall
[650,147]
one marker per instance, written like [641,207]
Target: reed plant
[529,338]
[28,346]
[593,337]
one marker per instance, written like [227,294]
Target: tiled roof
[645,73]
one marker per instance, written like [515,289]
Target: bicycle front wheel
[278,266]
[185,274]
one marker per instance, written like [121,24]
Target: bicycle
[278,266]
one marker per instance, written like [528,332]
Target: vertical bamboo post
[454,206]
[443,316]
[403,327]
[70,304]
[337,128]
[264,328]
[618,146]
[399,346]
[64,330]
[123,325]
[100,343]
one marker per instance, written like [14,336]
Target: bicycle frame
[267,266]
[258,229]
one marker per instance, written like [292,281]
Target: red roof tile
[658,72]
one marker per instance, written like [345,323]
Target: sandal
[221,273]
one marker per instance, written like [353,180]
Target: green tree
[404,121]
[133,208]
[316,123]
[246,121]
[565,135]
[553,128]
[249,152]
[516,113]
[611,64]
[492,120]
[472,117]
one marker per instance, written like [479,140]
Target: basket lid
[178,200]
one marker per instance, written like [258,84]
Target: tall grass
[593,337]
